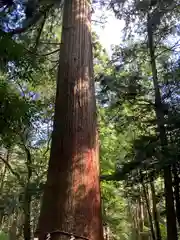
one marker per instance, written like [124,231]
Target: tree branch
[43,55]
[112,177]
[11,169]
[29,23]
[39,33]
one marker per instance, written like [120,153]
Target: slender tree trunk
[106,232]
[140,215]
[27,199]
[106,229]
[132,216]
[27,214]
[4,170]
[170,211]
[149,211]
[2,178]
[176,192]
[71,201]
[12,231]
[3,175]
[136,218]
[155,212]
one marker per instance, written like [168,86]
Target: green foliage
[3,236]
[10,50]
[17,113]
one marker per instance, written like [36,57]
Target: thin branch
[39,33]
[47,54]
[112,177]
[42,55]
[96,21]
[48,146]
[168,49]
[50,43]
[11,169]
[66,234]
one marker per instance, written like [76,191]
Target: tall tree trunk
[155,212]
[132,216]
[12,230]
[3,177]
[136,218]
[141,216]
[170,211]
[2,181]
[149,211]
[71,201]
[176,191]
[27,198]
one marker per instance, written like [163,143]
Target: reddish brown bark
[71,199]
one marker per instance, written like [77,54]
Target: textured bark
[155,212]
[71,200]
[170,211]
